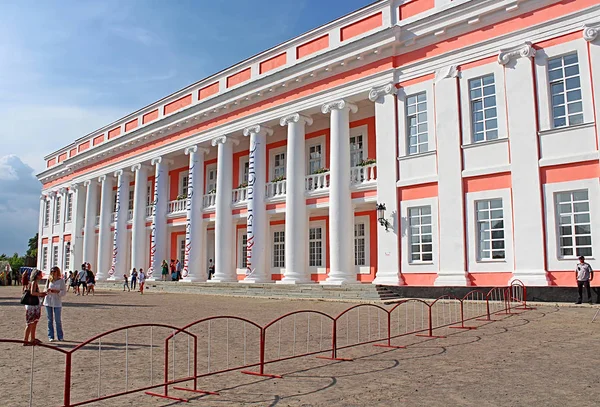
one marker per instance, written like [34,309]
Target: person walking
[142,278]
[584,274]
[134,275]
[33,312]
[165,270]
[24,281]
[82,280]
[125,283]
[91,281]
[55,290]
[178,269]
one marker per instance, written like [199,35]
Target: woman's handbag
[28,299]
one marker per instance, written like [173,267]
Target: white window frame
[46,213]
[546,119]
[114,207]
[573,236]
[564,80]
[315,141]
[242,176]
[275,228]
[272,153]
[241,251]
[323,268]
[489,265]
[57,209]
[130,199]
[149,189]
[182,182]
[55,255]
[209,169]
[45,258]
[465,101]
[67,257]
[420,267]
[69,213]
[403,94]
[364,132]
[554,260]
[180,248]
[417,115]
[366,268]
[420,214]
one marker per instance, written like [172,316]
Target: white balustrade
[363,174]
[209,201]
[149,209]
[275,189]
[130,214]
[177,206]
[239,195]
[316,182]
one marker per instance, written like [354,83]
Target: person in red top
[24,280]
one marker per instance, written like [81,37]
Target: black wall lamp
[381,216]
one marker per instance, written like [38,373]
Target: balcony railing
[239,195]
[316,182]
[363,174]
[177,206]
[275,189]
[149,210]
[209,200]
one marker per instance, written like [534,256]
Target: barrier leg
[195,389]
[389,336]
[462,319]
[430,329]
[334,346]
[165,395]
[261,368]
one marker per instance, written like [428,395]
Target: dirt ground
[544,357]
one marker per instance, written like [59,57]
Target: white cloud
[19,205]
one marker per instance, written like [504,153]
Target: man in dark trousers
[584,274]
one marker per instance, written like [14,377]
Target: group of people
[135,277]
[83,282]
[171,271]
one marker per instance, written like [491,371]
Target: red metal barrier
[359,325]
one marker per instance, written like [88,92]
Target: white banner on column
[251,203]
[188,224]
[115,250]
[150,270]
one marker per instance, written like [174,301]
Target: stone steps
[349,292]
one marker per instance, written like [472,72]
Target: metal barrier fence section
[158,359]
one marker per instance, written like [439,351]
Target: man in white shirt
[82,278]
[584,274]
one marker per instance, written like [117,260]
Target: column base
[294,280]
[189,279]
[256,280]
[388,279]
[113,278]
[452,279]
[339,281]
[537,278]
[222,280]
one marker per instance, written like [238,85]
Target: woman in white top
[55,289]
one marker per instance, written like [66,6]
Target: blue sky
[69,67]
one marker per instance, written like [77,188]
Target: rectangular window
[44,258]
[211,181]
[416,123]
[130,201]
[57,210]
[114,202]
[484,116]
[490,229]
[69,208]
[149,195]
[46,213]
[356,150]
[359,245]
[244,252]
[54,256]
[279,249]
[314,159]
[67,257]
[574,223]
[279,166]
[565,90]
[183,188]
[182,251]
[421,234]
[245,172]
[315,247]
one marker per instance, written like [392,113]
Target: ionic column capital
[224,139]
[102,178]
[259,130]
[377,93]
[43,198]
[88,182]
[338,105]
[295,118]
[520,51]
[447,72]
[195,149]
[51,194]
[118,173]
[160,160]
[138,167]
[591,31]
[62,190]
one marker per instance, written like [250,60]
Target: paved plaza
[544,357]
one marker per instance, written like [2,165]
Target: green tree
[16,261]
[32,247]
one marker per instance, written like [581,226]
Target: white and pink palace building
[474,122]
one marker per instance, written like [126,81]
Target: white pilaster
[43,199]
[341,216]
[89,228]
[158,244]
[138,224]
[452,270]
[224,243]
[78,215]
[104,235]
[527,209]
[61,228]
[591,33]
[388,264]
[119,249]
[257,221]
[193,267]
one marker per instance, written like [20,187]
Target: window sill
[420,263]
[491,261]
[410,156]
[575,258]
[485,143]
[556,130]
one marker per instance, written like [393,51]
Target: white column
[77,214]
[158,244]
[341,214]
[224,242]
[193,267]
[527,208]
[138,224]
[41,230]
[452,270]
[52,196]
[61,226]
[104,235]
[119,248]
[89,227]
[257,225]
[591,33]
[296,216]
[388,261]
